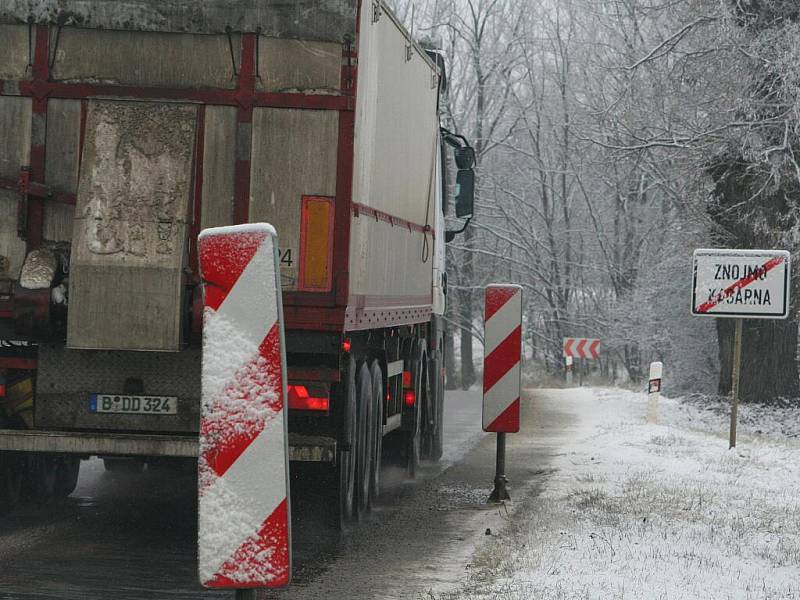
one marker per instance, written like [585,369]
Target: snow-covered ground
[635,510]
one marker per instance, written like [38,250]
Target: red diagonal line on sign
[593,348]
[581,344]
[264,557]
[737,285]
[501,359]
[223,258]
[568,346]
[507,421]
[245,407]
[496,297]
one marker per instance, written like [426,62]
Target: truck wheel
[414,437]
[40,485]
[433,445]
[12,471]
[67,472]
[345,471]
[377,418]
[365,434]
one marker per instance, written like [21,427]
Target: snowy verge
[644,511]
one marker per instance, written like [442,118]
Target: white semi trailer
[125,129]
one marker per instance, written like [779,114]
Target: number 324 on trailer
[750,284]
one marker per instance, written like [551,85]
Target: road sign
[750,284]
[244,525]
[502,353]
[582,347]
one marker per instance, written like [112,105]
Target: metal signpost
[501,372]
[740,284]
[244,539]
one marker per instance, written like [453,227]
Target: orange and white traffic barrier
[244,536]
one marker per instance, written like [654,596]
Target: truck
[126,128]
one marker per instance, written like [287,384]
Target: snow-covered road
[643,511]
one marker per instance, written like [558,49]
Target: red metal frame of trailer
[336,310]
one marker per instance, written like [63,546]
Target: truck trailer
[128,127]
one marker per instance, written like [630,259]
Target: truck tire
[377,418]
[68,470]
[433,440]
[414,437]
[343,485]
[12,472]
[40,485]
[365,435]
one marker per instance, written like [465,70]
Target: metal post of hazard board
[501,373]
[740,284]
[244,537]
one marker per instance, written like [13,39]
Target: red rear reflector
[410,398]
[406,379]
[300,399]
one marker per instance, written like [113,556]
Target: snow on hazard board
[244,538]
[748,284]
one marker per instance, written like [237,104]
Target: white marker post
[654,391]
[568,367]
[740,284]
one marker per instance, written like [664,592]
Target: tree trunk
[467,365]
[769,359]
[451,379]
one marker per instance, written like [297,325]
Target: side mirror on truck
[465,193]
[464,156]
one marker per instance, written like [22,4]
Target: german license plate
[133,405]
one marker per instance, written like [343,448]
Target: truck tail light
[316,244]
[303,398]
[410,398]
[407,379]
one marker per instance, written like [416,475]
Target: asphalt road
[133,536]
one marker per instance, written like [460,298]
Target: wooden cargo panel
[14,50]
[145,59]
[61,171]
[130,230]
[12,248]
[219,160]
[299,66]
[294,155]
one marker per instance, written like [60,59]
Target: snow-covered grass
[635,510]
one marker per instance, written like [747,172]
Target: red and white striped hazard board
[243,535]
[501,362]
[582,347]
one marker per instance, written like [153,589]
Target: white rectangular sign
[747,284]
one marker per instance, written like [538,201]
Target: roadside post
[654,391]
[568,366]
[501,373]
[244,536]
[740,284]
[582,348]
